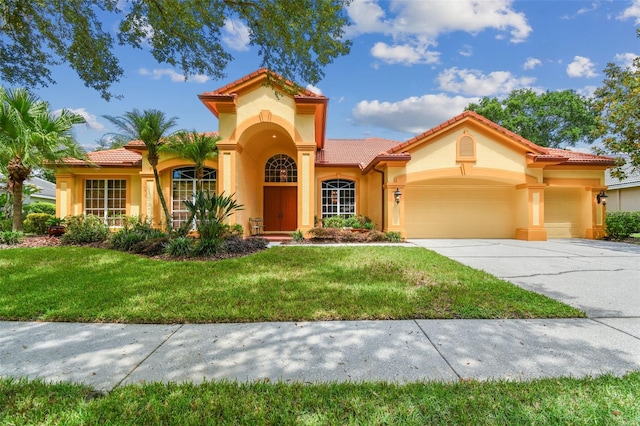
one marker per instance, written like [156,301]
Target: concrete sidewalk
[105,356]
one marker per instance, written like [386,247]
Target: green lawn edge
[605,400]
[286,283]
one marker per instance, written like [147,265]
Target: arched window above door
[280,168]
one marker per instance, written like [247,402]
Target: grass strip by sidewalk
[278,284]
[605,400]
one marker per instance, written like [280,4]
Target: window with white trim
[183,184]
[107,199]
[280,168]
[338,198]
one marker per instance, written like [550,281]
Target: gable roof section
[120,157]
[223,100]
[536,153]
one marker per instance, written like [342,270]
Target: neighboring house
[466,178]
[46,191]
[624,195]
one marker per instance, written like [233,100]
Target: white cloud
[91,120]
[414,26]
[314,89]
[367,16]
[404,54]
[632,12]
[531,63]
[581,67]
[466,51]
[625,59]
[474,83]
[176,77]
[236,35]
[427,20]
[413,115]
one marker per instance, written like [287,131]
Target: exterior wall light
[602,198]
[396,195]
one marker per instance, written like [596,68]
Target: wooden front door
[280,208]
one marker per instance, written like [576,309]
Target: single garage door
[459,211]
[562,213]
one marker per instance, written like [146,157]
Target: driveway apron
[600,277]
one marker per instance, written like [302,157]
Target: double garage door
[482,211]
[457,211]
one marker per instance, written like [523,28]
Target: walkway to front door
[280,208]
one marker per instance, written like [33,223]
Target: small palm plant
[210,212]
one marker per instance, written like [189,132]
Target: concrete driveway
[600,277]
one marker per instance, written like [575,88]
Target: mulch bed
[37,241]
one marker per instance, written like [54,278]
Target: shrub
[325,233]
[126,238]
[376,236]
[334,222]
[37,223]
[84,230]
[620,225]
[238,245]
[11,237]
[210,211]
[227,231]
[298,236]
[151,246]
[6,225]
[40,207]
[180,246]
[394,237]
[353,222]
[207,247]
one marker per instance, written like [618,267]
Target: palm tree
[151,127]
[31,136]
[195,147]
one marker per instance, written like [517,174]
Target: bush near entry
[620,225]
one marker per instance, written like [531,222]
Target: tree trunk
[17,205]
[163,202]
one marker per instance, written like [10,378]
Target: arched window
[338,198]
[280,168]
[183,185]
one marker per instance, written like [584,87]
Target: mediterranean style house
[466,178]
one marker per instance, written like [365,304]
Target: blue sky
[413,65]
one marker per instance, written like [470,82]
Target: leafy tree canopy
[618,105]
[294,38]
[552,119]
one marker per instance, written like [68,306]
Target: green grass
[605,400]
[279,284]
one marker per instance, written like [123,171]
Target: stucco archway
[259,143]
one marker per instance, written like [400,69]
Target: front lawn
[279,284]
[605,400]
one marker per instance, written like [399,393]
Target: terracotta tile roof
[138,144]
[110,157]
[575,157]
[467,115]
[537,153]
[352,152]
[262,72]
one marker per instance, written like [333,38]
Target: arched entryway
[280,194]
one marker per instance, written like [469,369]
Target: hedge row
[620,225]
